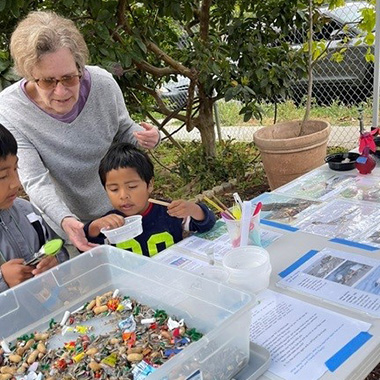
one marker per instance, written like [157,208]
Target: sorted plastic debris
[141,339]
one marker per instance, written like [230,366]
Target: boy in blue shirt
[127,176]
[22,230]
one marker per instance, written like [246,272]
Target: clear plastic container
[132,228]
[234,231]
[215,274]
[221,313]
[249,268]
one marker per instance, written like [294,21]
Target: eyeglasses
[50,83]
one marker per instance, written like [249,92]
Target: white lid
[249,259]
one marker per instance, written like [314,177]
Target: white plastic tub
[249,268]
[132,228]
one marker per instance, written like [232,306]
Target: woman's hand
[149,138]
[74,231]
[45,264]
[15,272]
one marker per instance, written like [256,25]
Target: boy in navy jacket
[127,176]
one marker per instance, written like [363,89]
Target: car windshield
[348,14]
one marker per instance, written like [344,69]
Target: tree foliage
[232,49]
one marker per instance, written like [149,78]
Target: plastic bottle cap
[52,246]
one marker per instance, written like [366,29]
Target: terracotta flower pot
[286,155]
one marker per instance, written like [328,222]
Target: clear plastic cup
[234,231]
[132,228]
[249,268]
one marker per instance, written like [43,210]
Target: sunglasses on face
[50,83]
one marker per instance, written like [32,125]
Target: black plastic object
[377,142]
[338,161]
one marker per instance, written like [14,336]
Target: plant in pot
[293,148]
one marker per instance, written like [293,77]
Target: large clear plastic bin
[221,313]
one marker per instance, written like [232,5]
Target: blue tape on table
[278,225]
[298,263]
[354,244]
[344,353]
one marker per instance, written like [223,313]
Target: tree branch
[204,18]
[154,94]
[160,125]
[173,115]
[160,103]
[155,71]
[326,48]
[189,106]
[145,66]
[177,66]
[120,13]
[169,60]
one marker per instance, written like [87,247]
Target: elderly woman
[64,115]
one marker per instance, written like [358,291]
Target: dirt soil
[245,192]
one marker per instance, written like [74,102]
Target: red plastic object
[365,163]
[60,364]
[367,140]
[112,304]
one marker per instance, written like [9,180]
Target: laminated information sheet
[365,188]
[343,219]
[304,340]
[343,278]
[216,242]
[283,209]
[318,184]
[174,257]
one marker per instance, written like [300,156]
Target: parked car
[174,93]
[350,80]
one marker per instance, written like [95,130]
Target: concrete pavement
[346,137]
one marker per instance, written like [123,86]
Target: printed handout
[349,280]
[304,340]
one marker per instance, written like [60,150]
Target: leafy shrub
[233,160]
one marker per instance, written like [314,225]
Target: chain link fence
[345,137]
[342,75]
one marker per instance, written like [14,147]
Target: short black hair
[124,155]
[8,144]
